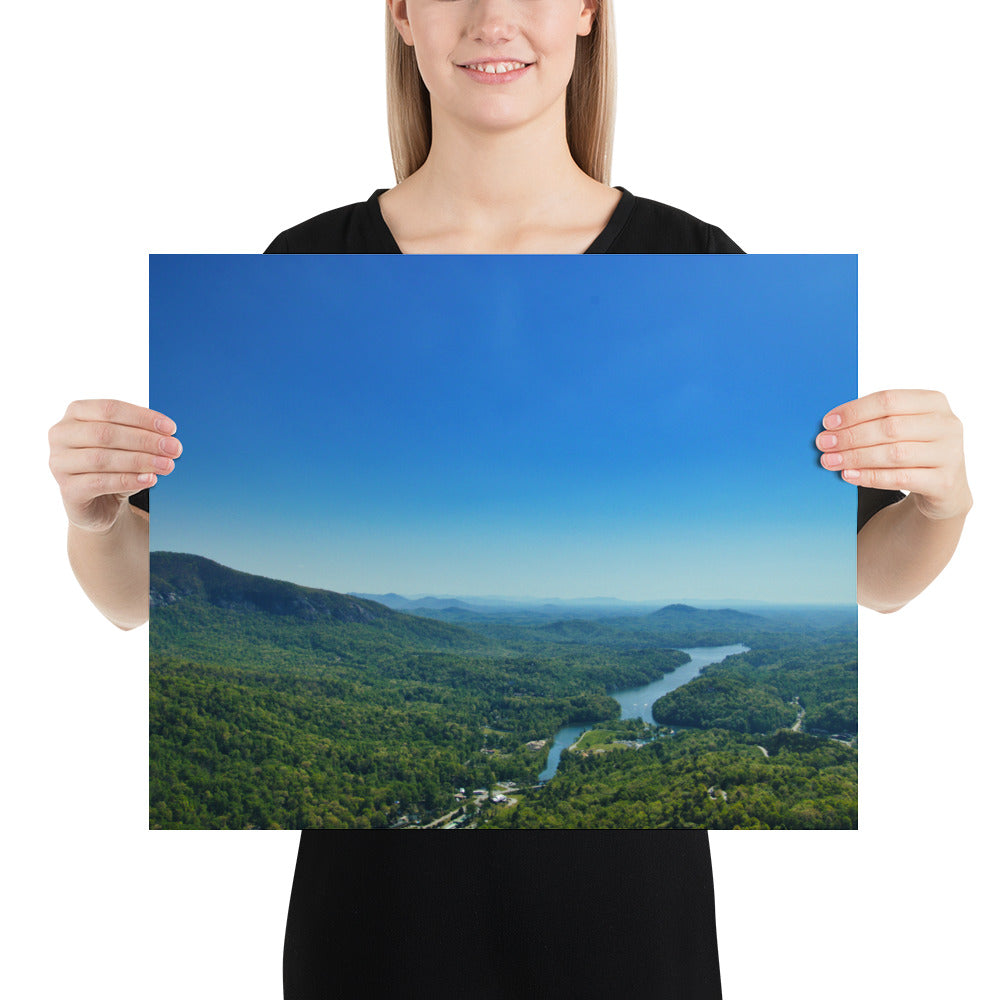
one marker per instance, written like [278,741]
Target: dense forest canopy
[279,706]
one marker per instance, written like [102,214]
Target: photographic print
[502,543]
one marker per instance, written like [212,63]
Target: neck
[503,174]
[516,190]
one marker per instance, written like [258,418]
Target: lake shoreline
[637,703]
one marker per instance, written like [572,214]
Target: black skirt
[502,914]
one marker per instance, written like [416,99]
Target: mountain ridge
[684,613]
[174,576]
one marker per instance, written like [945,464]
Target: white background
[208,127]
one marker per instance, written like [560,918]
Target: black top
[637,225]
[870,502]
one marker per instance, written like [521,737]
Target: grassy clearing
[596,739]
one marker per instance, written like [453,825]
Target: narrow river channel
[637,703]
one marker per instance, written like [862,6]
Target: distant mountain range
[176,576]
[399,603]
[492,604]
[585,606]
[278,705]
[188,593]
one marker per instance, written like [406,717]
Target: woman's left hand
[900,439]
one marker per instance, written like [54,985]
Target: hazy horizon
[533,600]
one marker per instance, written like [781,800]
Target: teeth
[504,67]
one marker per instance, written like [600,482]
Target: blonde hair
[590,100]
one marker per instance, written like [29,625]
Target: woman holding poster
[501,117]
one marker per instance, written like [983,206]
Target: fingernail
[165,426]
[851,474]
[827,441]
[832,421]
[168,446]
[145,478]
[162,464]
[832,461]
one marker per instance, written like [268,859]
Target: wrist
[98,521]
[955,508]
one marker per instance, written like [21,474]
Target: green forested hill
[179,583]
[684,616]
[766,688]
[278,705]
[275,705]
[738,764]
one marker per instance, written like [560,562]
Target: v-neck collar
[604,239]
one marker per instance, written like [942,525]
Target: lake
[637,703]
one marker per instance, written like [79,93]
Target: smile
[495,67]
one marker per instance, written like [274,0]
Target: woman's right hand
[102,452]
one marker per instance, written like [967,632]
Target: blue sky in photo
[638,427]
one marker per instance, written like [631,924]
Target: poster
[476,544]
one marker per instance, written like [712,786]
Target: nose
[492,21]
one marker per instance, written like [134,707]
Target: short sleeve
[870,502]
[278,245]
[718,242]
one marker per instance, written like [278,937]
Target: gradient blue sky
[637,427]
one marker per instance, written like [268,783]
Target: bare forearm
[901,550]
[113,567]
